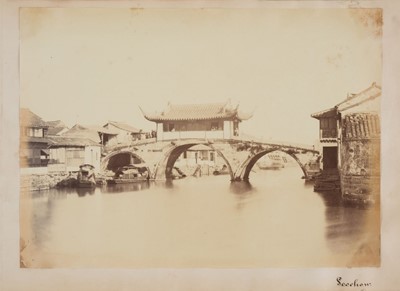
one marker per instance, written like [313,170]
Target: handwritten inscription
[354,283]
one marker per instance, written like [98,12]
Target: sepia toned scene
[200,138]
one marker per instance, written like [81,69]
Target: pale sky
[94,65]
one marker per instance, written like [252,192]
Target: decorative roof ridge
[352,97]
[198,111]
[367,98]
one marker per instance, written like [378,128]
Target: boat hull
[125,181]
[85,184]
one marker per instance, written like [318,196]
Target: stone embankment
[329,180]
[360,189]
[37,182]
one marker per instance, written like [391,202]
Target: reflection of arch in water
[128,187]
[164,168]
[244,170]
[243,192]
[241,187]
[84,191]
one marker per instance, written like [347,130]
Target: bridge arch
[243,172]
[164,168]
[120,158]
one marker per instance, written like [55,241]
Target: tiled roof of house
[62,141]
[361,125]
[352,100]
[54,130]
[123,126]
[33,139]
[176,112]
[55,127]
[55,123]
[325,113]
[79,131]
[29,119]
[101,129]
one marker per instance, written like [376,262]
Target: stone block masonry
[37,182]
[360,189]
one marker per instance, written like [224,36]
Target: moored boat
[272,161]
[130,174]
[86,177]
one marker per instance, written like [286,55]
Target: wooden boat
[271,161]
[270,166]
[86,177]
[130,174]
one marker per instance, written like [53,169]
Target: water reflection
[331,198]
[82,192]
[242,187]
[276,220]
[242,191]
[129,187]
[347,224]
[169,183]
[309,184]
[52,194]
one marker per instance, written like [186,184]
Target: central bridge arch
[120,158]
[164,168]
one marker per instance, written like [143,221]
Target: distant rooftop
[71,141]
[55,127]
[29,119]
[56,123]
[123,126]
[79,131]
[88,131]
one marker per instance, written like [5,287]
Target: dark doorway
[330,157]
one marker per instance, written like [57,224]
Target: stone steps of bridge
[329,180]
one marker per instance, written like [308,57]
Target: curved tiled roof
[361,125]
[325,113]
[79,131]
[351,101]
[176,112]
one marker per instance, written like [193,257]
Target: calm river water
[276,221]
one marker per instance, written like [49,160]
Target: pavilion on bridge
[208,121]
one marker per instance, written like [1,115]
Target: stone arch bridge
[239,155]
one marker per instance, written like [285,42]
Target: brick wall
[360,171]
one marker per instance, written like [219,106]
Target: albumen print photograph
[200,138]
